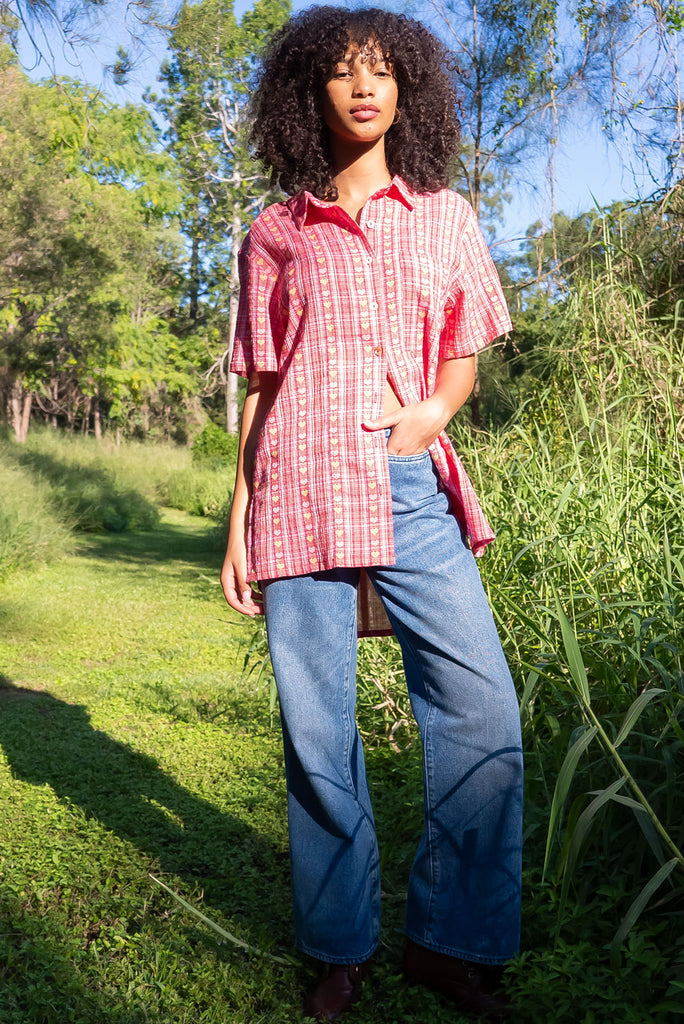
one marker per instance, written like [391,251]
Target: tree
[71,25]
[636,84]
[206,88]
[525,70]
[88,261]
[639,245]
[511,75]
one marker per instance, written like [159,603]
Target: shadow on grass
[88,495]
[48,741]
[186,542]
[185,553]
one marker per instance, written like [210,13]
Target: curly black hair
[288,132]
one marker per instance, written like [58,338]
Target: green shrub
[214,445]
[200,491]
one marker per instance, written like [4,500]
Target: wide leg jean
[464,887]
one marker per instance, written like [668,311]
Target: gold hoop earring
[397,115]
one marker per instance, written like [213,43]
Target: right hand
[236,590]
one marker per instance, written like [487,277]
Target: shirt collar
[300,203]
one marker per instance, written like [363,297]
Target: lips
[364,112]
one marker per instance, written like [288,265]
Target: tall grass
[71,484]
[585,490]
[31,531]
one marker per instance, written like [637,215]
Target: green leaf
[584,823]
[582,405]
[573,652]
[530,685]
[222,931]
[633,713]
[563,782]
[645,824]
[637,907]
[668,557]
[562,501]
[531,623]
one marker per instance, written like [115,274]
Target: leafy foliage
[88,262]
[213,444]
[204,99]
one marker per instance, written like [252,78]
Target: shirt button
[370,223]
[369,259]
[378,350]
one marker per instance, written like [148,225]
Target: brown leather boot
[338,988]
[474,988]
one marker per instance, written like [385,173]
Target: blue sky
[587,168]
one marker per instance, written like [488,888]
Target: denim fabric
[464,888]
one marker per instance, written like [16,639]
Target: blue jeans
[464,887]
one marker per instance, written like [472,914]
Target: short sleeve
[259,326]
[476,311]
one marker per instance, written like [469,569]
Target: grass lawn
[130,746]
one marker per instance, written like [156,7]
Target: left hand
[414,427]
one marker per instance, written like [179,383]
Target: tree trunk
[194,271]
[26,415]
[71,407]
[14,407]
[231,379]
[53,391]
[97,422]
[19,409]
[85,421]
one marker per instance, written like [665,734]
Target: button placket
[371,335]
[378,373]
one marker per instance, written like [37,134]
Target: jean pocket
[417,457]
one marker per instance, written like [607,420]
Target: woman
[363,300]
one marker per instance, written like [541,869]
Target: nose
[363,81]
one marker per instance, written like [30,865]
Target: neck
[360,170]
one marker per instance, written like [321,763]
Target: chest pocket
[422,277]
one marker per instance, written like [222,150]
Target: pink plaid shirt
[336,308]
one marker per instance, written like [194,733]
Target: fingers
[237,592]
[384,422]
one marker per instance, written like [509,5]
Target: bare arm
[237,592]
[415,427]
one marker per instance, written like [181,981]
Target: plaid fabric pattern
[336,308]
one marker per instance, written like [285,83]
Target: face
[361,95]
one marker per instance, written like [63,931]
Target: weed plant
[213,445]
[95,492]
